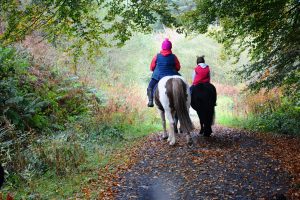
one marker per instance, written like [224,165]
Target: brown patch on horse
[169,92]
[179,101]
[184,89]
[157,101]
[169,87]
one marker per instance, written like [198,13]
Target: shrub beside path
[231,164]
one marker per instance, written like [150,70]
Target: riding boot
[150,97]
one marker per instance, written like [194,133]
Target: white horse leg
[163,119]
[171,138]
[189,138]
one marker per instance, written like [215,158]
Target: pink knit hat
[166,45]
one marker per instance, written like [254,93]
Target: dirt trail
[232,164]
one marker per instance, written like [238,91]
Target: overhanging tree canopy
[268,29]
[81,22]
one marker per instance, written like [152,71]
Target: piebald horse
[172,98]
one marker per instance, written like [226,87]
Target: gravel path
[231,164]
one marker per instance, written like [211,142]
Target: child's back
[163,64]
[202,72]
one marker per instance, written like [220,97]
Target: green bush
[17,104]
[284,120]
[36,105]
[34,97]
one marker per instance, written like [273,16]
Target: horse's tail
[213,117]
[214,103]
[179,88]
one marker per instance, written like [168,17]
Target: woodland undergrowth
[56,129]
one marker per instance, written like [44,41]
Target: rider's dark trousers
[152,85]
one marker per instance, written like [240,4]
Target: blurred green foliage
[35,97]
[284,119]
[267,30]
[34,103]
[82,26]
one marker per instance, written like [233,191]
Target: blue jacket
[165,66]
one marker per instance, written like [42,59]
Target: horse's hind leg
[163,119]
[171,138]
[208,122]
[202,128]
[207,129]
[201,123]
[189,138]
[175,123]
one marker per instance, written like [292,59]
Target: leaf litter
[231,164]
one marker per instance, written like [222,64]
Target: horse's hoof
[164,137]
[206,134]
[172,143]
[189,141]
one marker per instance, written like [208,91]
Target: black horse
[203,101]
